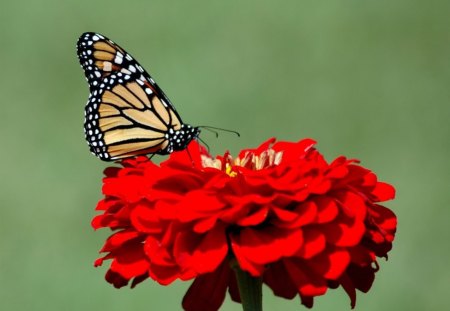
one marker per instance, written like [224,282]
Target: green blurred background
[368,79]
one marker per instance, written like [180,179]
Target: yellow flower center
[229,171]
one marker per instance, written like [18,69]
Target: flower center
[229,171]
[249,160]
[258,162]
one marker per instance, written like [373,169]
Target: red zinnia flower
[280,212]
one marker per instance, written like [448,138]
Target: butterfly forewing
[100,57]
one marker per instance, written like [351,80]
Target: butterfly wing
[125,118]
[127,114]
[100,57]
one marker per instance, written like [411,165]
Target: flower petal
[208,291]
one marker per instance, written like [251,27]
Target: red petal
[255,218]
[292,152]
[145,219]
[352,205]
[130,261]
[314,243]
[118,239]
[197,204]
[278,279]
[338,168]
[344,235]
[116,279]
[327,209]
[330,265]
[384,217]
[165,275]
[201,253]
[265,246]
[207,293]
[383,192]
[307,283]
[253,268]
[204,225]
[233,289]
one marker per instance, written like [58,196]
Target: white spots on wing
[97,74]
[148,91]
[128,56]
[140,82]
[119,58]
[125,71]
[127,77]
[132,68]
[107,66]
[95,38]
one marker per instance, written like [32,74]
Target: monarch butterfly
[127,114]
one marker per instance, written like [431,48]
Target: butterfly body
[127,114]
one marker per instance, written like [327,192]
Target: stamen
[229,171]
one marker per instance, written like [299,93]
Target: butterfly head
[180,139]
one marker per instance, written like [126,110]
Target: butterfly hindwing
[124,118]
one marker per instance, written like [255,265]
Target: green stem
[250,289]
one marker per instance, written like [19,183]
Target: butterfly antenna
[213,129]
[204,143]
